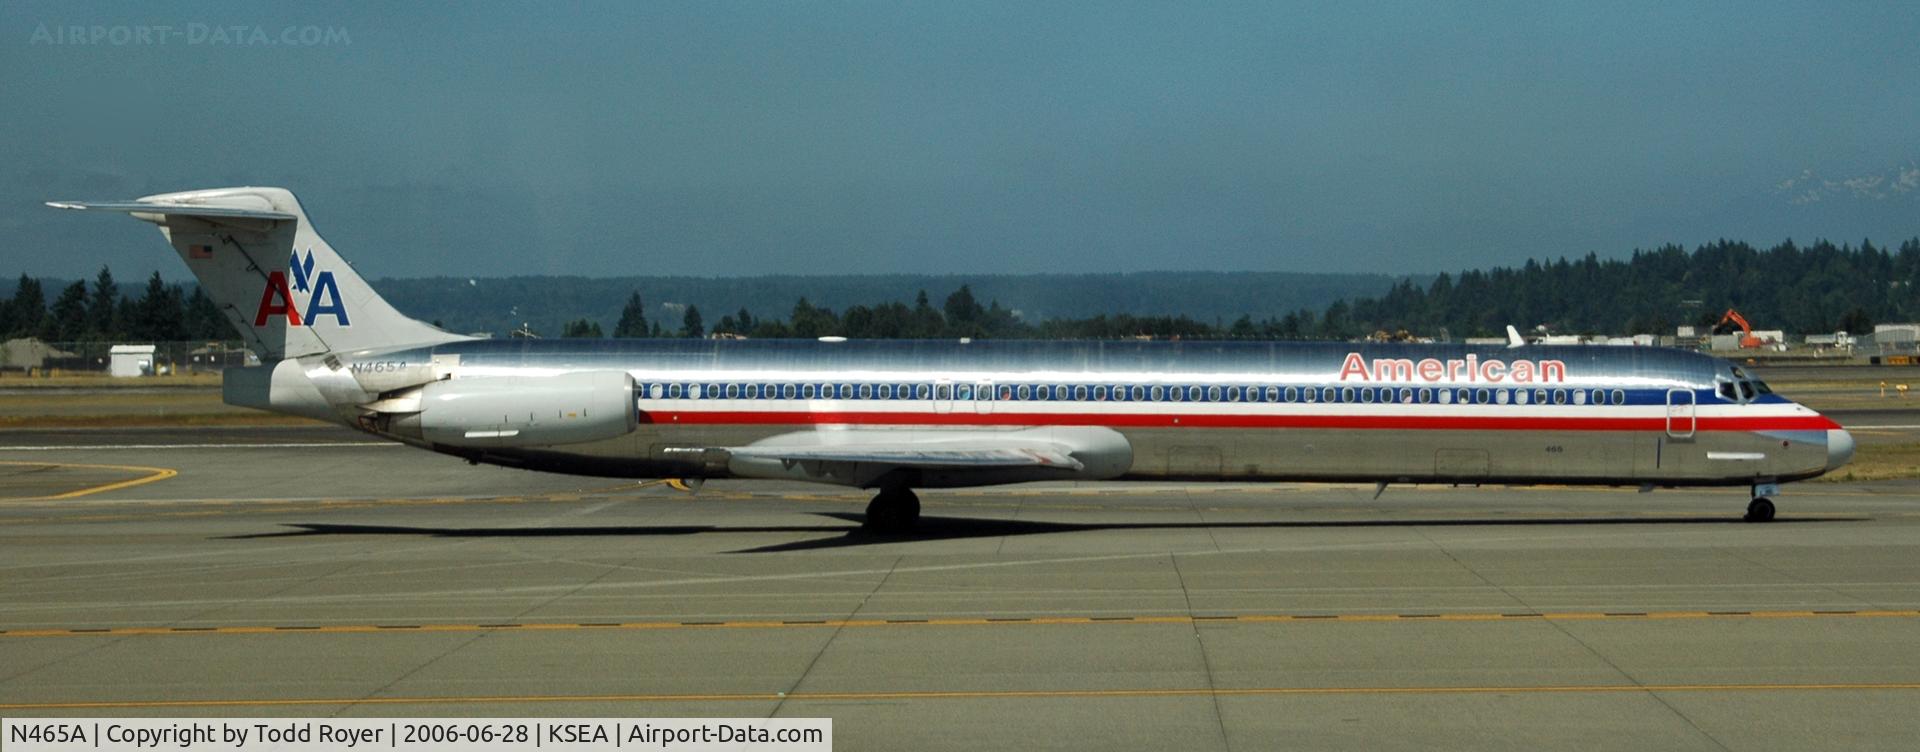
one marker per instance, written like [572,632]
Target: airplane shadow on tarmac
[960,528]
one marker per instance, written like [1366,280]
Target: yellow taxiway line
[977,695]
[949,622]
[153,474]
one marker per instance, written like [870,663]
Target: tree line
[100,313]
[1819,288]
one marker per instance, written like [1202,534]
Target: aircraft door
[1680,414]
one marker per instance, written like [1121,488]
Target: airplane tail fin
[283,287]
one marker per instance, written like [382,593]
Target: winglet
[1514,339]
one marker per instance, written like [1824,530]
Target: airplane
[894,416]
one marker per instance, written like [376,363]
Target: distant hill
[499,305]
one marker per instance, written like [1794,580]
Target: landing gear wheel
[1760,510]
[893,510]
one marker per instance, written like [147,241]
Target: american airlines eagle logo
[321,293]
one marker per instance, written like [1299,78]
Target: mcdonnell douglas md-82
[893,416]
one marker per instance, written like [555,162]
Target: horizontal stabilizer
[176,209]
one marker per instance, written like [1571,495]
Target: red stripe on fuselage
[1377,422]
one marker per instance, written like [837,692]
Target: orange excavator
[1731,319]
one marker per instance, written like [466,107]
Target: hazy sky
[720,138]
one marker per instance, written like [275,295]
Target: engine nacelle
[523,411]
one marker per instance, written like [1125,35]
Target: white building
[130,360]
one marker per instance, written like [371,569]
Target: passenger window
[1060,392]
[1619,396]
[1006,392]
[1329,394]
[1139,393]
[806,391]
[1579,396]
[1500,396]
[1100,393]
[1159,393]
[1233,394]
[1520,396]
[1213,394]
[1311,394]
[1273,394]
[1446,396]
[866,391]
[733,391]
[1426,395]
[673,391]
[1119,393]
[1025,392]
[1346,394]
[943,392]
[922,391]
[1599,396]
[1176,394]
[1559,396]
[963,391]
[1366,394]
[656,391]
[1194,393]
[787,391]
[1406,396]
[1080,393]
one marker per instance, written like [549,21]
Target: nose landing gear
[894,510]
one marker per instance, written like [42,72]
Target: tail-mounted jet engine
[511,411]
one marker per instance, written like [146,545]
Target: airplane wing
[862,456]
[933,455]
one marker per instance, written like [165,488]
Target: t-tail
[283,287]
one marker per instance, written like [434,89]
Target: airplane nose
[1839,448]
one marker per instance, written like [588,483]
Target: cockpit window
[1746,390]
[1726,391]
[1762,386]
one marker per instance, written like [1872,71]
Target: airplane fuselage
[1146,410]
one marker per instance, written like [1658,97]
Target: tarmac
[308,571]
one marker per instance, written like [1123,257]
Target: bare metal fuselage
[1141,410]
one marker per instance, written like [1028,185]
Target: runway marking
[289,445]
[153,474]
[981,695]
[957,622]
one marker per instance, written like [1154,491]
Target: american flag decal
[200,251]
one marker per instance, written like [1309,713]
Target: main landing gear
[1761,508]
[894,510]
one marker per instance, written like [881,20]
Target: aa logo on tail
[322,294]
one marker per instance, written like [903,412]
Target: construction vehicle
[1731,319]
